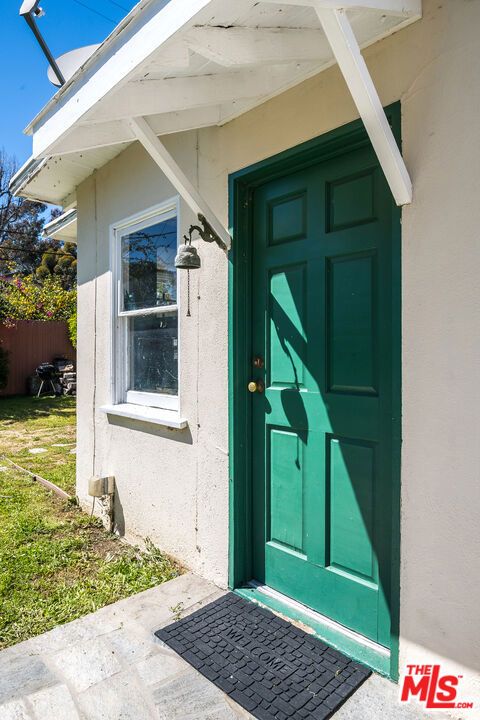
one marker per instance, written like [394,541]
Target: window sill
[157,416]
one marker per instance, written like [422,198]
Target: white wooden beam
[244,46]
[91,136]
[402,8]
[159,153]
[156,96]
[337,28]
[174,56]
[112,69]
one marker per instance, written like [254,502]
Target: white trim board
[155,416]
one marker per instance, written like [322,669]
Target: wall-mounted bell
[187,257]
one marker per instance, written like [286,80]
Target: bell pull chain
[187,256]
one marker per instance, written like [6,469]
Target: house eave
[63,228]
[181,66]
[93,60]
[25,174]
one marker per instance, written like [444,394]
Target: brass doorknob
[255,386]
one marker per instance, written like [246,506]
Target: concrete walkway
[109,666]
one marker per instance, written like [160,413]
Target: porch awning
[178,65]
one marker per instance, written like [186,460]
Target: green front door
[322,325]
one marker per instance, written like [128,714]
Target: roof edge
[55,226]
[86,65]
[25,174]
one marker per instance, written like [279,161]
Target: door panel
[351,200]
[321,431]
[287,309]
[351,341]
[350,494]
[285,503]
[287,218]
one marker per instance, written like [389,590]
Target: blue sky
[24,87]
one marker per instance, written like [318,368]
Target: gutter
[56,226]
[26,173]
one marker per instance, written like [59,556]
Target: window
[146,340]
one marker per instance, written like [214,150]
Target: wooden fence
[29,343]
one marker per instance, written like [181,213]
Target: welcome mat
[268,666]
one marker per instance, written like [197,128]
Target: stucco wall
[173,487]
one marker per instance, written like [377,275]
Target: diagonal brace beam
[159,153]
[339,33]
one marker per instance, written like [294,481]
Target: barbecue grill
[47,374]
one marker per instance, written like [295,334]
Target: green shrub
[42,272]
[26,299]
[72,328]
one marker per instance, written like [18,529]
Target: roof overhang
[54,179]
[202,62]
[63,227]
[25,175]
[185,65]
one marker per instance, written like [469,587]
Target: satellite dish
[29,6]
[70,62]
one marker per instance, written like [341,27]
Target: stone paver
[158,668]
[15,710]
[191,697]
[120,697]
[110,666]
[377,699]
[86,664]
[21,675]
[53,702]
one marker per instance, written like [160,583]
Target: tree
[60,263]
[21,223]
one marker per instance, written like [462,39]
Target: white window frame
[120,393]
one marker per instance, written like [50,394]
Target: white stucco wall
[173,487]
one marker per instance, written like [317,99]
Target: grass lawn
[45,423]
[56,562]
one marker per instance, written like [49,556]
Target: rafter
[151,97]
[244,46]
[103,134]
[71,104]
[401,8]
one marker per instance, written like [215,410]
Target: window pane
[153,351]
[149,278]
